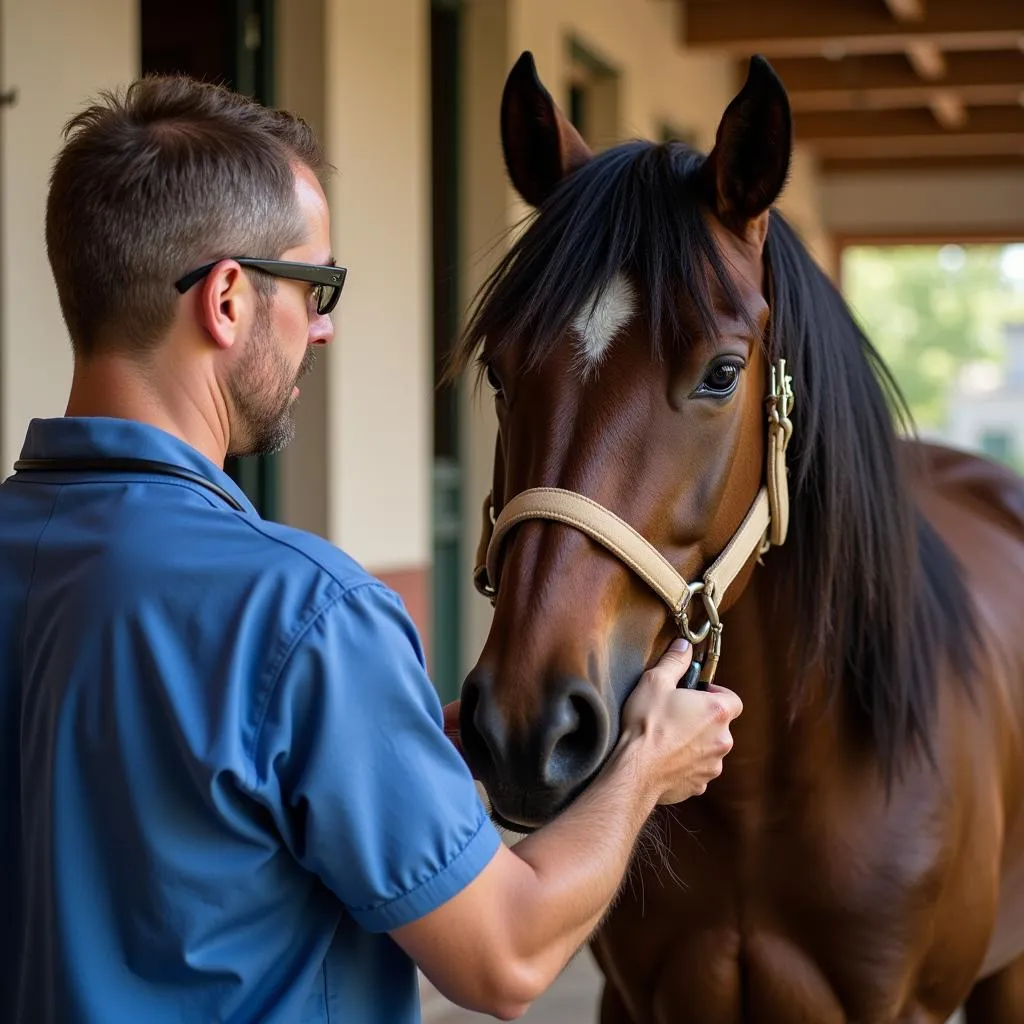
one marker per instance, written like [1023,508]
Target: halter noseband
[765,525]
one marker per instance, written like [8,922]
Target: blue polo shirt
[223,774]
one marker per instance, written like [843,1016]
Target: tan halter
[766,524]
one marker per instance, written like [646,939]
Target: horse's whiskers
[654,849]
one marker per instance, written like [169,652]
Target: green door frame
[446,475]
[253,75]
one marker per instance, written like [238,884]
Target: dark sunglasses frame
[331,279]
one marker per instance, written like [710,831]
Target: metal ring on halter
[683,620]
[480,581]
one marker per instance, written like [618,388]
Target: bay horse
[695,436]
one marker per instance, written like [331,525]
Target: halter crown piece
[764,526]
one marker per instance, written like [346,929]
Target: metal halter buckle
[780,401]
[683,621]
[713,627]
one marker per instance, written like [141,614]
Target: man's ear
[747,169]
[540,144]
[225,303]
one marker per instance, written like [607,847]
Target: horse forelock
[624,235]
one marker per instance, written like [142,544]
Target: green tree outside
[929,310]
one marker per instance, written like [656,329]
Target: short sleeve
[352,760]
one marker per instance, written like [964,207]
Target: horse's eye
[720,381]
[494,381]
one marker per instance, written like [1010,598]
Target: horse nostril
[577,736]
[481,729]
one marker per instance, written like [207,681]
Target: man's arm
[350,760]
[500,942]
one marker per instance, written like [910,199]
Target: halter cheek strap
[765,524]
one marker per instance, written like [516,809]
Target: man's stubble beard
[261,391]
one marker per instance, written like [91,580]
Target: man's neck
[123,388]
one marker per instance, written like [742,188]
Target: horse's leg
[613,1010]
[998,999]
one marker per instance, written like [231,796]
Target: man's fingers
[729,700]
[672,665]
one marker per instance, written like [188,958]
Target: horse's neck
[788,720]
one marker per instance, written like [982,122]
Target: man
[225,789]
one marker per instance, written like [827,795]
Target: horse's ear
[540,143]
[747,169]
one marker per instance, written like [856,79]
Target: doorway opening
[948,321]
[230,43]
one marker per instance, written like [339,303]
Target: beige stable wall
[928,204]
[56,53]
[300,85]
[640,39]
[487,209]
[378,374]
[801,204]
[660,83]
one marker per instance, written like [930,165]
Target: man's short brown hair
[156,180]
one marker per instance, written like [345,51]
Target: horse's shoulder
[997,491]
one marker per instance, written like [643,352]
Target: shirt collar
[93,437]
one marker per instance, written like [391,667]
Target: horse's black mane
[880,597]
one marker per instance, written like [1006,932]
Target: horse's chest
[795,927]
[720,975]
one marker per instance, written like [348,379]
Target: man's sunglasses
[328,278]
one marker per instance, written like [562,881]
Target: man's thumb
[675,661]
[679,652]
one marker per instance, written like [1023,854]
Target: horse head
[624,338]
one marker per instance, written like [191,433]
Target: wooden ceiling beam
[804,77]
[939,144]
[961,162]
[894,99]
[906,10]
[794,28]
[927,59]
[948,108]
[815,127]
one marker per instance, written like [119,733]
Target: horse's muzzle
[532,772]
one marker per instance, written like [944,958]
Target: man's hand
[451,725]
[680,737]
